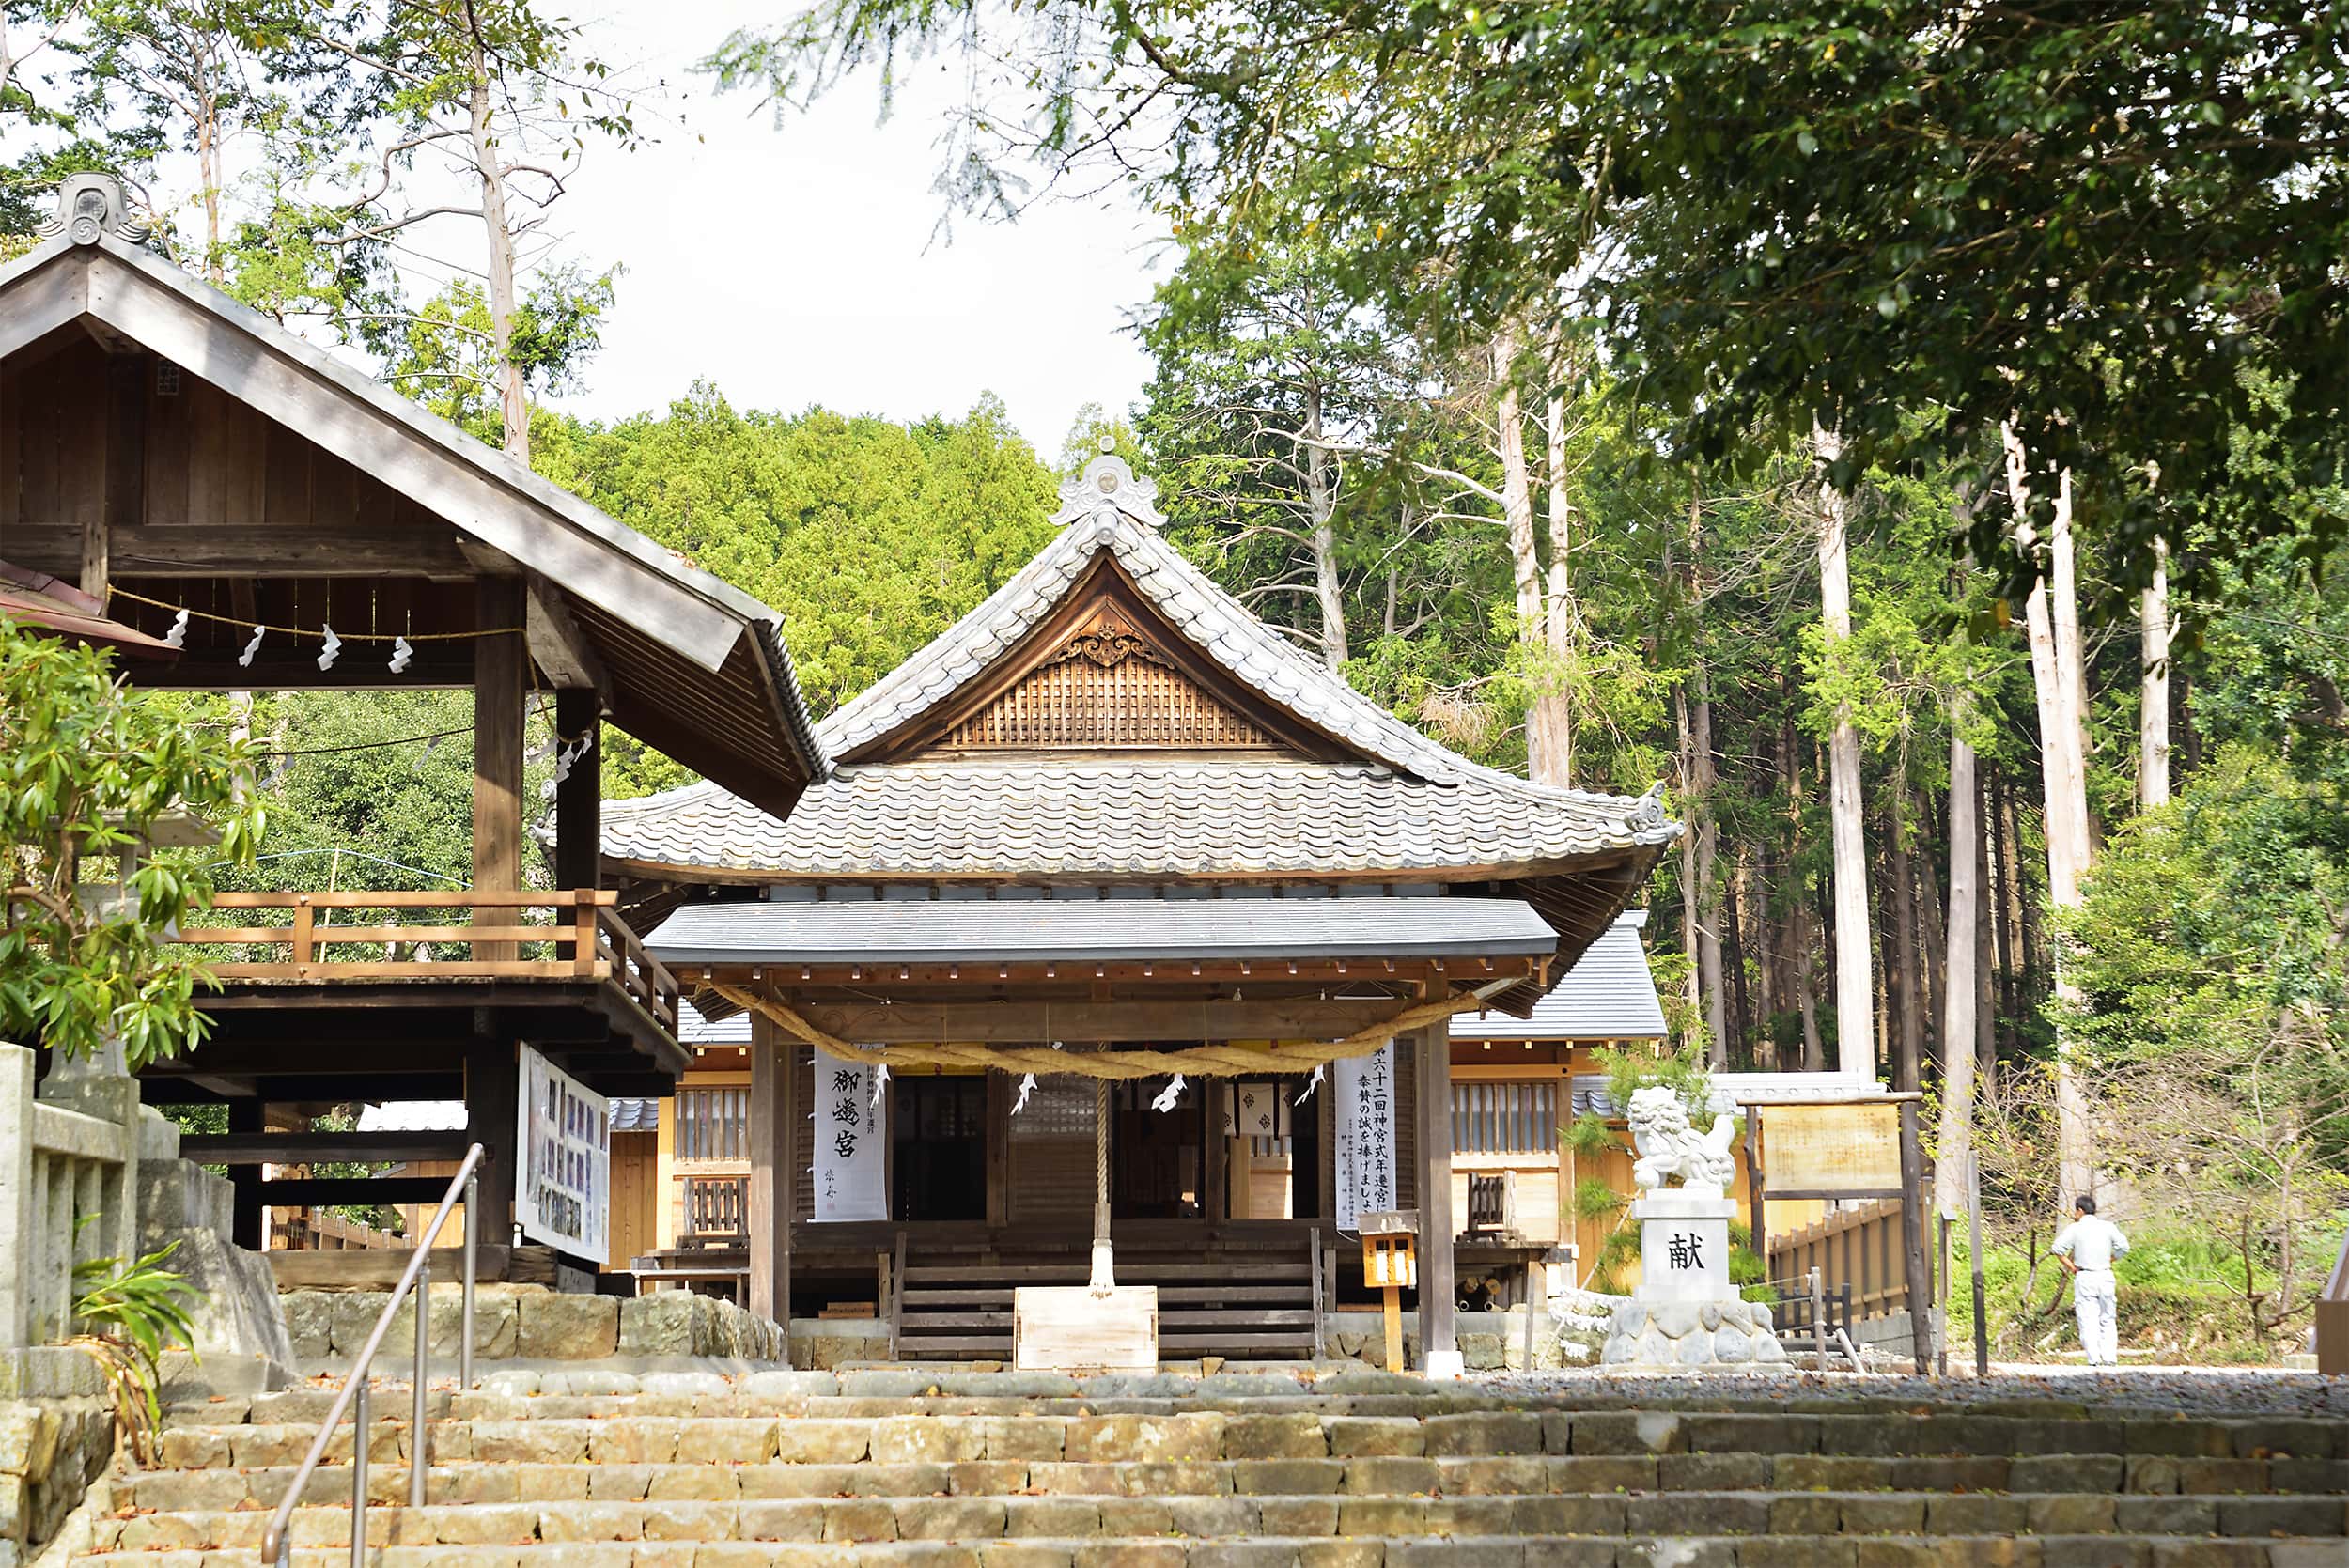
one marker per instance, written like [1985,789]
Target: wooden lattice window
[713,1124]
[1504,1118]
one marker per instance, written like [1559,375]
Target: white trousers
[2092,1301]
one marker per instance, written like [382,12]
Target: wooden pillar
[1440,1350]
[578,798]
[245,1116]
[501,685]
[493,1110]
[772,1176]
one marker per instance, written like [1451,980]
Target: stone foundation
[528,1323]
[1684,1336]
[50,1450]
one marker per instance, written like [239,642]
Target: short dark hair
[2084,1204]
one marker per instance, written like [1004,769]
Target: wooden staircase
[1242,1309]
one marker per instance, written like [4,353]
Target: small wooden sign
[1069,1328]
[1832,1148]
[1390,1261]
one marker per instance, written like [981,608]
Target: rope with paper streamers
[330,641]
[1205,1061]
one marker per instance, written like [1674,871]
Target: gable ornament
[1109,483]
[90,206]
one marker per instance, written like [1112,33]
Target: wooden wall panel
[634,1226]
[1077,700]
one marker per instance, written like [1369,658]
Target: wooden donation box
[1390,1263]
[1070,1328]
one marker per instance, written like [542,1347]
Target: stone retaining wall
[50,1450]
[529,1322]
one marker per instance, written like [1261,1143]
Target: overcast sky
[800,265]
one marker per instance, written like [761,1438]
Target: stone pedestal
[1686,1314]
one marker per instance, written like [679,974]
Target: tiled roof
[1151,816]
[977,930]
[1608,995]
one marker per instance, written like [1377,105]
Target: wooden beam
[578,798]
[308,1148]
[500,688]
[562,650]
[244,1117]
[306,1191]
[252,550]
[1437,1222]
[1335,973]
[39,304]
[1029,1022]
[771,1175]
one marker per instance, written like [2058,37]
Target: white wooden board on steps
[1069,1328]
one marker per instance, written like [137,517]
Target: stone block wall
[50,1450]
[526,1323]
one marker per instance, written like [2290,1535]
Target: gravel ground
[2201,1391]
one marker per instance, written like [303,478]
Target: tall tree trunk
[1551,724]
[513,398]
[1985,917]
[1733,955]
[2152,719]
[1708,887]
[1767,1003]
[1798,901]
[1689,919]
[2007,925]
[1900,959]
[1853,1014]
[2052,613]
[1961,991]
[1321,502]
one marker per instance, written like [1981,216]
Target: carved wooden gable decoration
[1106,672]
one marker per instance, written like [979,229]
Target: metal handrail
[277,1539]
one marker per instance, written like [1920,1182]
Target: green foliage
[870,537]
[1594,1197]
[1588,1135]
[87,767]
[1634,1068]
[132,1313]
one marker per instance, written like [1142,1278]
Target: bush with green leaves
[131,1315]
[87,767]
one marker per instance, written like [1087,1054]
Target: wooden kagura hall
[1106,829]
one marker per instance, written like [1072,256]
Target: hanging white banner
[852,1154]
[563,1188]
[1364,1114]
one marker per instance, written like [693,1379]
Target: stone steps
[899,1518]
[925,1466]
[1754,1551]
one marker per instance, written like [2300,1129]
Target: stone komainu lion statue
[1669,1144]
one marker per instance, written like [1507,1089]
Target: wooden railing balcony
[364,936]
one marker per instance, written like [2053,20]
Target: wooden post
[1439,1348]
[1757,1194]
[493,1112]
[1393,1312]
[244,1115]
[772,1176]
[1313,1267]
[578,798]
[1919,1280]
[501,685]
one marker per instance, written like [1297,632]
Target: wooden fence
[68,1195]
[325,1230]
[1859,1247]
[577,933]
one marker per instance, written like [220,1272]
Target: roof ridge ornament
[1109,482]
[90,206]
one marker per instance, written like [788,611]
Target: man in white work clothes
[2088,1246]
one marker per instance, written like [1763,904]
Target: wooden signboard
[1069,1328]
[1832,1150]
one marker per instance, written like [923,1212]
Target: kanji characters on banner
[851,1133]
[1363,1111]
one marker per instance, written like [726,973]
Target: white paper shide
[852,1141]
[563,1190]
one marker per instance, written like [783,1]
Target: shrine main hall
[1111,916]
